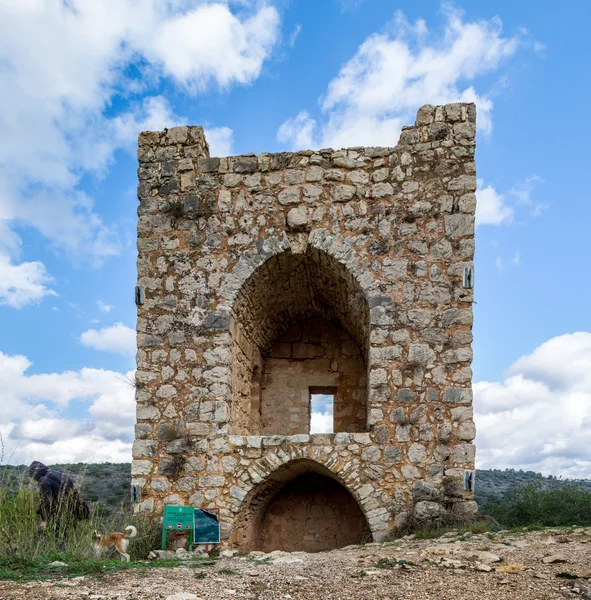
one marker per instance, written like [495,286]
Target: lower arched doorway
[312,513]
[300,507]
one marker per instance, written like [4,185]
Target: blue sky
[81,79]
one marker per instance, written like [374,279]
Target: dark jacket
[58,494]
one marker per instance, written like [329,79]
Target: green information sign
[178,518]
[207,527]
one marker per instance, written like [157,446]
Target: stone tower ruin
[263,280]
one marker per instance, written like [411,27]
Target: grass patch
[261,561]
[437,532]
[20,537]
[26,552]
[228,572]
[527,528]
[390,563]
[19,569]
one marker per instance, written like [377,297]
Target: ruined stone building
[263,280]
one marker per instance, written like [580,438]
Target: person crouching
[61,503]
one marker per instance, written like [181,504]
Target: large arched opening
[300,326]
[302,506]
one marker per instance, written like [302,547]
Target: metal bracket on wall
[469,477]
[139,294]
[135,494]
[468,278]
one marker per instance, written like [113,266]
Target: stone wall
[310,514]
[319,357]
[234,252]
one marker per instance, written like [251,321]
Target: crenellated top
[451,123]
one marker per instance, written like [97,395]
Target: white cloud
[69,221]
[294,35]
[322,417]
[210,43]
[116,338]
[300,131]
[48,430]
[321,422]
[491,207]
[393,73]
[35,422]
[24,283]
[103,307]
[539,417]
[563,362]
[522,192]
[153,113]
[220,140]
[71,66]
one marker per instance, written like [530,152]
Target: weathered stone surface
[392,454]
[297,217]
[273,277]
[427,510]
[467,431]
[144,448]
[290,195]
[406,396]
[458,395]
[464,454]
[424,491]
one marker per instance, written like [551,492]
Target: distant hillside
[109,483]
[493,484]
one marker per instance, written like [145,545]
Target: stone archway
[301,506]
[302,320]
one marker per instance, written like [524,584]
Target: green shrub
[534,505]
[20,537]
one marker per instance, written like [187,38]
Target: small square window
[322,410]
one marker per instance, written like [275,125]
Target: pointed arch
[273,289]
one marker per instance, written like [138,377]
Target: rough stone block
[458,395]
[427,510]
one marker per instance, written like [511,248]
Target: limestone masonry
[270,278]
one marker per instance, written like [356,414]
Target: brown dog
[117,540]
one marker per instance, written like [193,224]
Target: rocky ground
[536,566]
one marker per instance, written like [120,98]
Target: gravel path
[451,568]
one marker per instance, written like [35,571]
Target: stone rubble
[401,569]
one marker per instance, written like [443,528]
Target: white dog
[117,540]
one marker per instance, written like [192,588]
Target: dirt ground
[458,568]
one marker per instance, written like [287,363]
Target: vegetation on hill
[107,484]
[513,498]
[493,485]
[535,504]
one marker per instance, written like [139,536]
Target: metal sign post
[178,518]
